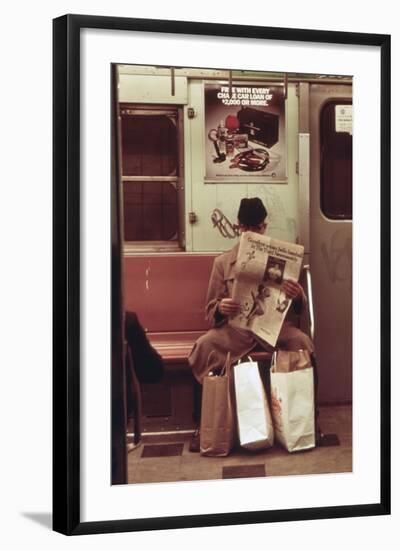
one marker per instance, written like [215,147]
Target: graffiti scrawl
[337,257]
[227,229]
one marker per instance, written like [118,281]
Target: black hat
[252,212]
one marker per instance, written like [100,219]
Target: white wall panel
[152,89]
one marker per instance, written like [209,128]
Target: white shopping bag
[252,411]
[292,400]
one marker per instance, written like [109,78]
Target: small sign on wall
[344,118]
[244,132]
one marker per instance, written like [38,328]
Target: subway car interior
[188,145]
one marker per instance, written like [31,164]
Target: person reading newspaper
[221,310]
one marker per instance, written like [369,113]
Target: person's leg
[292,338]
[194,444]
[210,350]
[197,397]
[318,432]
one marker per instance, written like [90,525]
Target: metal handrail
[310,303]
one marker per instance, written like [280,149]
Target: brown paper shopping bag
[217,426]
[292,399]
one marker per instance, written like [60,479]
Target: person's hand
[228,307]
[292,289]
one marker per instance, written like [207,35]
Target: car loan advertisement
[244,132]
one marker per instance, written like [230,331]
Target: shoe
[327,440]
[194,445]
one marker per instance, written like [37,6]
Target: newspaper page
[262,266]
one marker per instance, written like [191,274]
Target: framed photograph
[170,139]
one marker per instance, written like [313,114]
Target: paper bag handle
[302,354]
[227,366]
[273,361]
[208,358]
[248,357]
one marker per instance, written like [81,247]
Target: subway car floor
[166,457]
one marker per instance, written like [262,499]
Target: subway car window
[336,160]
[150,173]
[150,211]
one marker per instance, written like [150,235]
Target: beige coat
[222,337]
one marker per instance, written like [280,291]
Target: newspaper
[262,266]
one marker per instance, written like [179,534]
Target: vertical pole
[118,379]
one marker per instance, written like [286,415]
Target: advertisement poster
[245,132]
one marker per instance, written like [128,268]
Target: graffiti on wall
[226,228]
[280,224]
[337,254]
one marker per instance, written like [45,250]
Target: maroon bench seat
[174,347]
[168,293]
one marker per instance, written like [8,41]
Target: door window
[336,159]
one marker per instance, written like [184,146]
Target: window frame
[173,245]
[339,217]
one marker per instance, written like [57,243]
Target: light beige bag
[292,399]
[252,411]
[217,425]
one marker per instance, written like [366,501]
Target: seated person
[220,306]
[223,337]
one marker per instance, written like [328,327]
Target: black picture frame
[66,273]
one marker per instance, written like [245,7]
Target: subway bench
[168,293]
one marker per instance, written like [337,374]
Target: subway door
[331,236]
